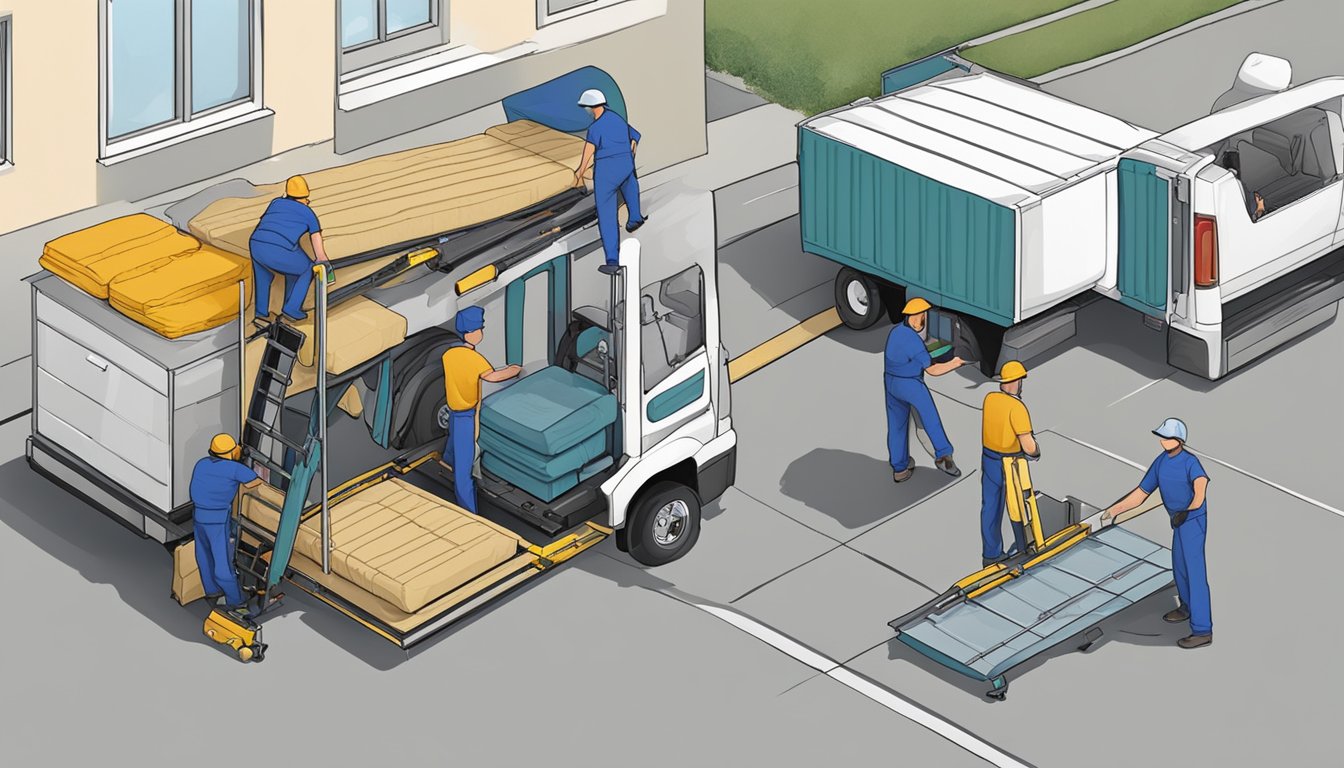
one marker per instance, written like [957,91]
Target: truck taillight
[1206,251]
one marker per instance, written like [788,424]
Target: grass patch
[815,55]
[1087,35]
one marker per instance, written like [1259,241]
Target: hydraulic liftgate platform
[1074,575]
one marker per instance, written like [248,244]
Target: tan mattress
[412,194]
[398,542]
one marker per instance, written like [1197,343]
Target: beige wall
[299,72]
[491,25]
[55,100]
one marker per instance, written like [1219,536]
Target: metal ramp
[1069,581]
[262,437]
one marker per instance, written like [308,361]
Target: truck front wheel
[857,299]
[663,524]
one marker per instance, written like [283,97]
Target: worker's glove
[1179,518]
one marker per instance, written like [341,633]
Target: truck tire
[857,299]
[426,422]
[663,524]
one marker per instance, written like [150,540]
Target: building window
[558,10]
[375,31]
[168,63]
[6,104]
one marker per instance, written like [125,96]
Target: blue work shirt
[906,355]
[214,484]
[610,135]
[1175,476]
[284,222]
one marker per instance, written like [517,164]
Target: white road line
[880,694]
[1102,451]
[1137,391]
[1270,483]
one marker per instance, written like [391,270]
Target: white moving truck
[1000,203]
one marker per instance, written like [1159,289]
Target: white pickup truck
[1000,203]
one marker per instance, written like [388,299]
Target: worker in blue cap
[1184,484]
[275,248]
[906,362]
[214,483]
[464,369]
[610,149]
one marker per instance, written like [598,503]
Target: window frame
[6,91]
[387,47]
[703,346]
[184,121]
[545,17]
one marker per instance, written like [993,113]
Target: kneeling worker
[214,486]
[275,249]
[1183,482]
[1005,430]
[463,370]
[905,362]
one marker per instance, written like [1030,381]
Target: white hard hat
[592,98]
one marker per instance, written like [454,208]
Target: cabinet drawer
[105,461]
[102,381]
[101,343]
[136,447]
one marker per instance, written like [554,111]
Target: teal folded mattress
[550,411]
[546,489]
[541,465]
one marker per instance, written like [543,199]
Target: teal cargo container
[987,197]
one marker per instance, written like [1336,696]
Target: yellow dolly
[238,632]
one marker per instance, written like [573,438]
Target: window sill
[374,84]
[6,166]
[139,146]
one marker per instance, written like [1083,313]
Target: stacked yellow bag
[191,293]
[92,258]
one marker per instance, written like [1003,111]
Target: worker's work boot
[609,269]
[904,474]
[947,465]
[631,226]
[213,600]
[1196,641]
[1176,616]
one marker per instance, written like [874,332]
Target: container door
[1145,210]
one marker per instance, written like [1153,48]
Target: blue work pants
[904,394]
[612,174]
[993,502]
[459,452]
[268,260]
[214,558]
[1191,574]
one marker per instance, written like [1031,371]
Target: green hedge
[813,55]
[1087,35]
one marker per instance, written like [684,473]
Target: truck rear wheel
[663,524]
[857,299]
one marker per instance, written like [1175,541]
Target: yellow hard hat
[296,187]
[1011,371]
[915,306]
[225,447]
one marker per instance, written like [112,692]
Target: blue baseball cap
[1172,429]
[470,319]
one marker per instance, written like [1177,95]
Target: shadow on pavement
[854,489]
[1141,624]
[771,261]
[97,547]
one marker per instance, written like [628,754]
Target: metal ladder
[262,424]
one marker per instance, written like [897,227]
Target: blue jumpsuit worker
[275,249]
[906,362]
[610,148]
[463,370]
[1005,430]
[214,485]
[1183,482]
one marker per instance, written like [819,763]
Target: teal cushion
[538,464]
[549,411]
[544,489]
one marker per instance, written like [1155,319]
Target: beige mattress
[413,194]
[398,542]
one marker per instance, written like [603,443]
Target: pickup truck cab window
[1285,160]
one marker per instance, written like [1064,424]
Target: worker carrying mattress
[547,433]
[396,541]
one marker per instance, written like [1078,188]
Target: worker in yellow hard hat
[1006,430]
[214,483]
[276,249]
[907,360]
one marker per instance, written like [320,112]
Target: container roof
[995,138]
